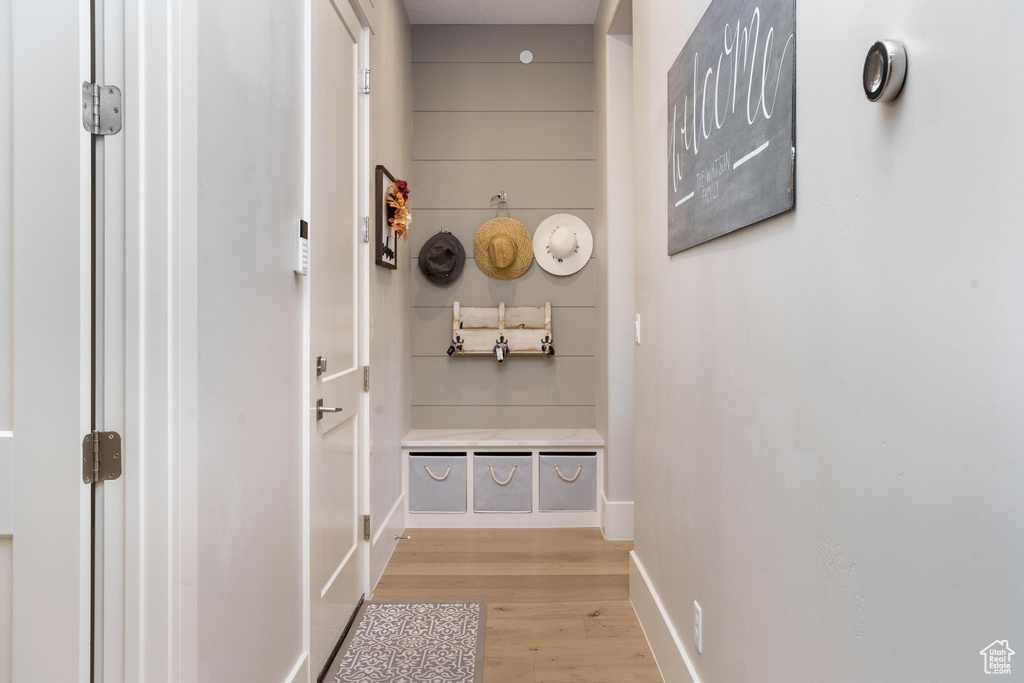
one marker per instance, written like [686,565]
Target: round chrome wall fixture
[885,68]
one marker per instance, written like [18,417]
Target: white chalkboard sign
[732,121]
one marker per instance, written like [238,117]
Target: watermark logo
[997,657]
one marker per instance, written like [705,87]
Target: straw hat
[563,244]
[503,248]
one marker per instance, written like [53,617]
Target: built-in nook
[529,138]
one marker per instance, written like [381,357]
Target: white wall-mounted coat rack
[501,331]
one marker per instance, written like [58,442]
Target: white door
[52,331]
[337,548]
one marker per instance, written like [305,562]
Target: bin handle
[435,477]
[567,480]
[503,483]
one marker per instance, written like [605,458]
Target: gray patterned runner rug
[414,642]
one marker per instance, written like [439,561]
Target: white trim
[110,183]
[300,672]
[183,338]
[667,647]
[529,439]
[616,519]
[161,341]
[384,525]
[334,576]
[305,362]
[364,497]
[392,526]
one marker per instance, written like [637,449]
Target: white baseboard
[669,653]
[300,672]
[384,543]
[616,519]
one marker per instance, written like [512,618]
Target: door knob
[321,409]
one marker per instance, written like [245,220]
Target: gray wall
[249,376]
[484,122]
[828,403]
[391,145]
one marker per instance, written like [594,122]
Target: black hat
[442,257]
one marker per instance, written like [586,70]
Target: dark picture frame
[386,248]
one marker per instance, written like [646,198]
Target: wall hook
[502,199]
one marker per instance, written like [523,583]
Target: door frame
[367,263]
[161,340]
[108,46]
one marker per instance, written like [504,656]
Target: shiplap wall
[485,122]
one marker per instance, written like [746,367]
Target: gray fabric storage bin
[514,496]
[426,493]
[557,494]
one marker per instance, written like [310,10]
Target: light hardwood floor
[557,600]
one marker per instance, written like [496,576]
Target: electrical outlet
[698,626]
[636,324]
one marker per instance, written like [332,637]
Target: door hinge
[366,527]
[366,378]
[366,229]
[101,108]
[366,81]
[101,457]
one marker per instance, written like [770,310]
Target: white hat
[563,244]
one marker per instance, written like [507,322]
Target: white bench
[502,478]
